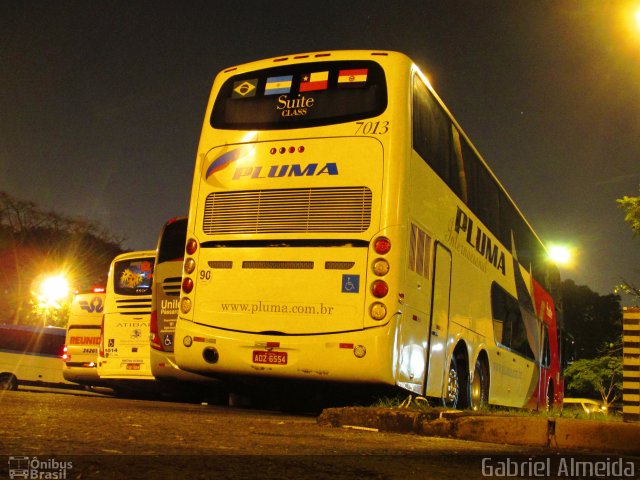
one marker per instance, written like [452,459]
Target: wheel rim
[476,389]
[453,387]
[479,394]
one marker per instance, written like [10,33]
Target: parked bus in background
[124,345]
[30,357]
[164,310]
[83,337]
[343,228]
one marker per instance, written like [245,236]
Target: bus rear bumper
[363,356]
[81,375]
[163,367]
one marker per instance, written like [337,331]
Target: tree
[596,376]
[33,242]
[589,319]
[631,207]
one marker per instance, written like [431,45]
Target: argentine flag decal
[278,85]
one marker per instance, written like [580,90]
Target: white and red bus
[343,228]
[30,358]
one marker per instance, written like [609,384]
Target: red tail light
[156,344]
[187,285]
[65,354]
[379,289]
[382,245]
[192,246]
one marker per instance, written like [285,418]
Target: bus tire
[8,382]
[480,385]
[453,386]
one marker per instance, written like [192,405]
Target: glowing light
[560,255]
[54,289]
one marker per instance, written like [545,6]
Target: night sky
[102,103]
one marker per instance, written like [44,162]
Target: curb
[553,433]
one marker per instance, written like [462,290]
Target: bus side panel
[33,370]
[32,356]
[512,377]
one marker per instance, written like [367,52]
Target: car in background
[584,405]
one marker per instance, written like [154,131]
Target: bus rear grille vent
[279,265]
[134,307]
[221,264]
[339,265]
[171,286]
[304,210]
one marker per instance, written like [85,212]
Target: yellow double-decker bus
[343,228]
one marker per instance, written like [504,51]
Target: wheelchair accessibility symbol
[168,340]
[350,283]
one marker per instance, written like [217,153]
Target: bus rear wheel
[480,386]
[8,382]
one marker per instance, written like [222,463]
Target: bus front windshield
[302,95]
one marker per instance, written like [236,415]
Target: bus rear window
[171,246]
[133,277]
[303,95]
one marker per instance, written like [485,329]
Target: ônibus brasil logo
[35,468]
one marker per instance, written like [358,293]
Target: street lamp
[51,291]
[561,255]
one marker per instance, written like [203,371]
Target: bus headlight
[189,265]
[185,305]
[378,311]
